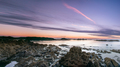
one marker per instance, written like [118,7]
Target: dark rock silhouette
[27,38]
[108,40]
[64,39]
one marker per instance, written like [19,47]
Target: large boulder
[75,58]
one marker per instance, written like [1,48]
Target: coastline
[27,53]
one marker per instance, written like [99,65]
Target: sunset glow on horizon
[92,19]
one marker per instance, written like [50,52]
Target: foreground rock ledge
[27,54]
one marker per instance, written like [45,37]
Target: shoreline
[34,54]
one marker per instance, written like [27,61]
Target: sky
[60,18]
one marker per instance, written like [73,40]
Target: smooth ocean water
[84,43]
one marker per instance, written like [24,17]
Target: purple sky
[60,18]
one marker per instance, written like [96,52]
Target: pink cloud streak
[77,11]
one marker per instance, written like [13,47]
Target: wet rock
[98,50]
[56,65]
[115,64]
[86,48]
[106,51]
[99,54]
[117,51]
[63,45]
[94,49]
[101,51]
[111,63]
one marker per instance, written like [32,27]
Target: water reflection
[85,43]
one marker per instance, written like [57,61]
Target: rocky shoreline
[29,54]
[76,58]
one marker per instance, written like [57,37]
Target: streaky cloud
[18,17]
[86,27]
[14,6]
[77,11]
[102,32]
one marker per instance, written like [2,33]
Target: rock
[106,51]
[90,64]
[21,54]
[108,62]
[85,57]
[63,45]
[25,62]
[101,51]
[93,54]
[47,56]
[37,55]
[43,52]
[38,64]
[115,63]
[56,65]
[102,64]
[76,49]
[94,49]
[98,50]
[63,54]
[3,58]
[50,59]
[117,51]
[96,64]
[75,58]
